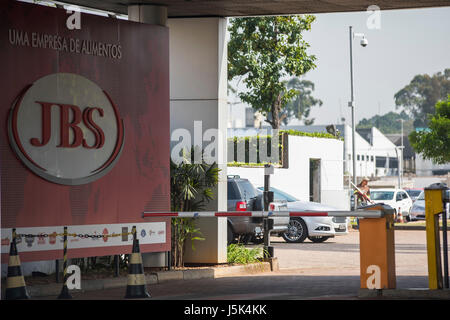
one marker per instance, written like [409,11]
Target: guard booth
[377,250]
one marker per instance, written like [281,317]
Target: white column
[198,92]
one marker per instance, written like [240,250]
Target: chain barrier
[78,235]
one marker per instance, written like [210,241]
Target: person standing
[362,196]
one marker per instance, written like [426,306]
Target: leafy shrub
[238,253]
[191,188]
[293,132]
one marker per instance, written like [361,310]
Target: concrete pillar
[151,14]
[198,92]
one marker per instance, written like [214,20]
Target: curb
[54,289]
[405,294]
[422,228]
[410,228]
[414,228]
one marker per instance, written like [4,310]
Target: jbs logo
[66,126]
[66,129]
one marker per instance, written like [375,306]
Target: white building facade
[314,172]
[376,155]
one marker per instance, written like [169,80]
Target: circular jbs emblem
[66,129]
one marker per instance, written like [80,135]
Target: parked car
[418,208]
[316,229]
[242,196]
[280,224]
[413,193]
[398,199]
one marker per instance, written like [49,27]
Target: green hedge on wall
[259,142]
[309,134]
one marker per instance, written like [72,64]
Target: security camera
[364,42]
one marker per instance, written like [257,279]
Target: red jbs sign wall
[86,131]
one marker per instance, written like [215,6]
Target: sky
[408,42]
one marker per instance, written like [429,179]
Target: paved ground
[340,255]
[329,270]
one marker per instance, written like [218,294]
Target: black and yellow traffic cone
[15,282]
[136,287]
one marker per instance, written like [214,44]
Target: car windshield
[414,193]
[421,196]
[280,195]
[382,195]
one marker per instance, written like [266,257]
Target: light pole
[351,104]
[400,164]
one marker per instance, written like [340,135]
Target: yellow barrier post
[377,250]
[65,294]
[434,206]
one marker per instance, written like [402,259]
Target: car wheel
[257,238]
[409,217]
[245,238]
[230,235]
[297,231]
[318,239]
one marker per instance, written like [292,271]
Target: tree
[388,123]
[420,96]
[266,51]
[301,105]
[191,188]
[434,142]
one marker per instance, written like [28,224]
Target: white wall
[425,167]
[380,146]
[295,179]
[198,92]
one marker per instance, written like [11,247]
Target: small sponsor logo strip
[80,237]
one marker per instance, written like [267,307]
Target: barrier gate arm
[266,214]
[376,236]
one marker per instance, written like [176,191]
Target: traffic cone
[65,294]
[136,287]
[15,282]
[400,216]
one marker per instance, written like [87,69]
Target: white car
[316,229]
[398,199]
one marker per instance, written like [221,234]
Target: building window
[393,163]
[362,157]
[371,158]
[380,162]
[357,157]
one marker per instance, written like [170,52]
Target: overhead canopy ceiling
[230,8]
